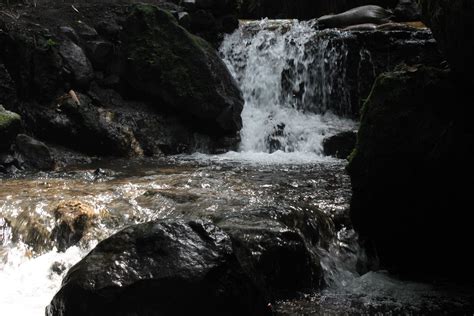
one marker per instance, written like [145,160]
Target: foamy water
[270,61]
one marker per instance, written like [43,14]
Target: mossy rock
[179,72]
[10,125]
[413,143]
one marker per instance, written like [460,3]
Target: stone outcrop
[127,76]
[413,144]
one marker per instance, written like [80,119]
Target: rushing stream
[280,164]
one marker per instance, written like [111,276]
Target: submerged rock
[160,268]
[73,220]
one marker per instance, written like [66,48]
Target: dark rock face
[407,10]
[340,145]
[453,26]
[34,152]
[160,268]
[149,88]
[413,143]
[182,71]
[305,9]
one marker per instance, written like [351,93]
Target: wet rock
[413,143]
[276,138]
[58,268]
[77,62]
[10,126]
[340,145]
[160,268]
[181,73]
[74,121]
[34,153]
[453,27]
[73,220]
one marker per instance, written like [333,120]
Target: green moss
[7,119]
[51,43]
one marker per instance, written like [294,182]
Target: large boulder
[179,72]
[452,23]
[414,141]
[160,268]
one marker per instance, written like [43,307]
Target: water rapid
[287,75]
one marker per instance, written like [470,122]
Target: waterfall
[293,80]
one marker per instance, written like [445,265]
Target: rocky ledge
[115,79]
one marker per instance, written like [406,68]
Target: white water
[28,285]
[270,61]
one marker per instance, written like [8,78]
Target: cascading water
[288,75]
